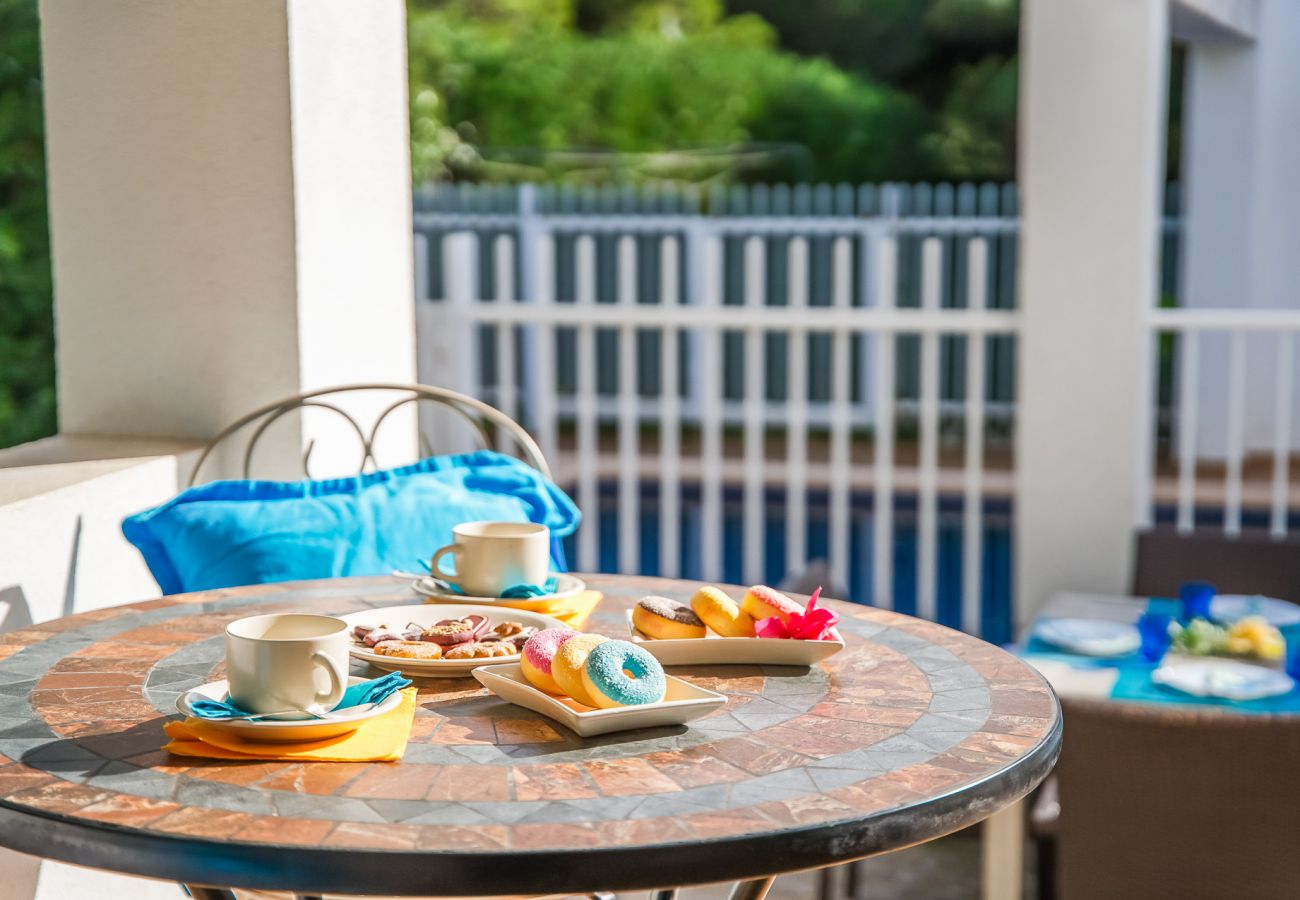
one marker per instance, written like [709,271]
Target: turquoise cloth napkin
[374,691]
[518,591]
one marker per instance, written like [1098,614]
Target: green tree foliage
[954,57]
[26,323]
[493,100]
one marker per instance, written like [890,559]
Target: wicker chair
[1235,565]
[1177,802]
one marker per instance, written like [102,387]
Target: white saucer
[427,614]
[716,650]
[1223,678]
[1231,607]
[438,591]
[682,702]
[1089,637]
[272,730]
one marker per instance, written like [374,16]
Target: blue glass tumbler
[1195,597]
[1153,629]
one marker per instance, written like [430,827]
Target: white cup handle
[338,681]
[437,570]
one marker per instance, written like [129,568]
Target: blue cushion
[230,533]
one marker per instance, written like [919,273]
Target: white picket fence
[1224,486]
[775,355]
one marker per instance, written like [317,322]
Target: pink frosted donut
[763,602]
[539,651]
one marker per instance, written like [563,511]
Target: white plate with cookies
[425,642]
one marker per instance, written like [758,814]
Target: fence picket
[670,512]
[796,449]
[1188,377]
[972,588]
[886,252]
[754,451]
[710,398]
[587,425]
[927,524]
[841,486]
[1236,433]
[629,424]
[505,293]
[1281,435]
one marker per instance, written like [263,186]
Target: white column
[1241,137]
[1092,120]
[230,211]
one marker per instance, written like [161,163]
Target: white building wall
[1241,140]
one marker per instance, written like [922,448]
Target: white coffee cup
[493,556]
[287,661]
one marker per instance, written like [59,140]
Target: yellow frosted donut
[569,661]
[664,619]
[721,613]
[763,602]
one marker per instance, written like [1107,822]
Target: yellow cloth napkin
[380,739]
[572,611]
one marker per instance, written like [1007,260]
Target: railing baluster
[1282,435]
[972,593]
[711,415]
[841,488]
[796,447]
[1236,433]
[754,450]
[1189,364]
[927,525]
[505,293]
[886,250]
[587,425]
[544,424]
[629,420]
[670,423]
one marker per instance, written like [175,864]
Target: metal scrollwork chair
[480,416]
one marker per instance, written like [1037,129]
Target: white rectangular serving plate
[682,702]
[714,650]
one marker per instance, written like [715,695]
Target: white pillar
[230,211]
[1092,124]
[1241,137]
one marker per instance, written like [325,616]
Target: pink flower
[813,624]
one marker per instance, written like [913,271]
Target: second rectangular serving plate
[682,702]
[714,650]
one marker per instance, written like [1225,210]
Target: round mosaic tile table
[911,732]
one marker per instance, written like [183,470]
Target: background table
[1079,677]
[912,732]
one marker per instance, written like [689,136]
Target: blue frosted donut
[619,673]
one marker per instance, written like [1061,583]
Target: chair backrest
[481,416]
[1240,565]
[1177,802]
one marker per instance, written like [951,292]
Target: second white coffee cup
[493,556]
[287,661]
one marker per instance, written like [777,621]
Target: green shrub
[27,408]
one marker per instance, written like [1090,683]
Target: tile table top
[912,731]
